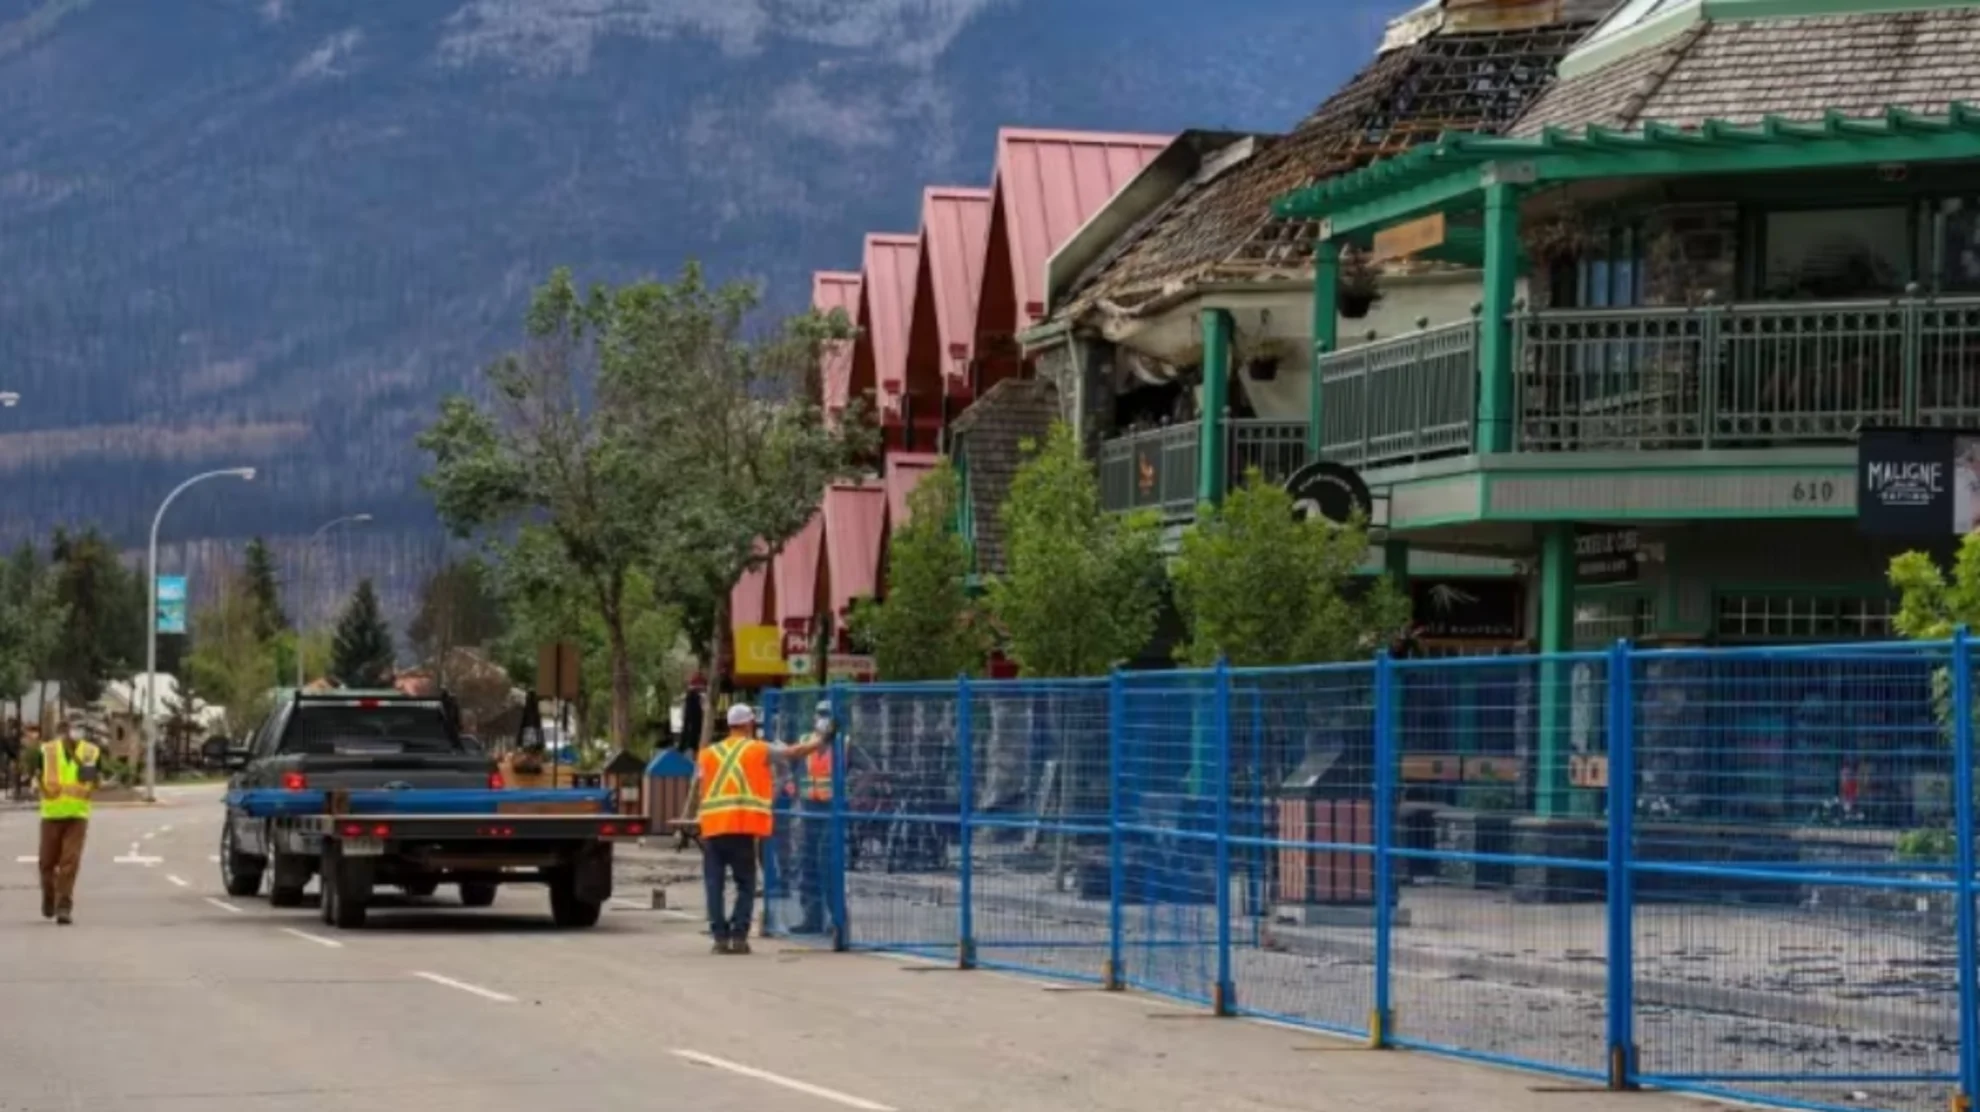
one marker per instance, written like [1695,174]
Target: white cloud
[558,36]
[328,57]
[274,11]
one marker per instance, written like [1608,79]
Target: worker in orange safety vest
[734,787]
[814,834]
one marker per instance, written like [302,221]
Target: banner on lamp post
[171,616]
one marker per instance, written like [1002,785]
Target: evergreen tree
[103,636]
[362,655]
[265,589]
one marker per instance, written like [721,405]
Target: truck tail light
[495,782]
[294,782]
[609,830]
[365,830]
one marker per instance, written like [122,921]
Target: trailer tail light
[609,830]
[635,829]
[369,704]
[496,782]
[362,830]
[496,831]
[294,782]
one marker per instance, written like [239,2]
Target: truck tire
[477,893]
[240,873]
[569,911]
[346,890]
[288,876]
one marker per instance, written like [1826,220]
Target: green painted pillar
[1212,470]
[1395,562]
[1495,348]
[1326,333]
[1556,687]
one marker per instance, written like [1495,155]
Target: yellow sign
[760,651]
[1404,240]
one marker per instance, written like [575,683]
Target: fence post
[772,880]
[1621,728]
[1116,844]
[1963,859]
[836,875]
[1386,768]
[1224,999]
[965,839]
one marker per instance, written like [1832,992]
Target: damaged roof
[991,435]
[1452,77]
[1741,71]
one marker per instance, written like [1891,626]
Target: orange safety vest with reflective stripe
[818,776]
[64,794]
[736,787]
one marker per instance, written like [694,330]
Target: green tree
[362,655]
[231,663]
[732,438]
[1261,587]
[1082,588]
[259,569]
[925,628]
[458,608]
[556,449]
[104,634]
[1931,602]
[31,621]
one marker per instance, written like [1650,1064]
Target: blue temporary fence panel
[1747,873]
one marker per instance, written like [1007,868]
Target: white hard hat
[741,715]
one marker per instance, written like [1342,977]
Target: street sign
[171,616]
[1332,492]
[557,670]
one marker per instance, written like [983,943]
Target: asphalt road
[167,996]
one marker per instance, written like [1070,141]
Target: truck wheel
[477,893]
[240,873]
[567,909]
[346,890]
[289,876]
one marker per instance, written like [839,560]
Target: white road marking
[150,834]
[791,1083]
[485,994]
[213,859]
[177,880]
[136,859]
[316,938]
[27,859]
[162,830]
[225,906]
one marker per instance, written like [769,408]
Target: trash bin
[669,778]
[1326,799]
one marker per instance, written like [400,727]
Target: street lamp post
[151,624]
[308,551]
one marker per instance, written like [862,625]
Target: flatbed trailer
[416,840]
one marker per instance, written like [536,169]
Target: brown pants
[61,860]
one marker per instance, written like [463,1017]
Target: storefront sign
[759,651]
[1408,239]
[1607,556]
[1330,491]
[1467,609]
[850,666]
[1918,482]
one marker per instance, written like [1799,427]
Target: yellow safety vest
[64,795]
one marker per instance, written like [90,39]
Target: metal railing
[1752,375]
[1400,400]
[1744,872]
[1157,469]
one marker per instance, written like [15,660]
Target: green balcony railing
[1754,375]
[1157,469]
[1400,400]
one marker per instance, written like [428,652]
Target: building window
[1601,620]
[1789,617]
[1956,245]
[1836,254]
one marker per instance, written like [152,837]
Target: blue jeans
[723,857]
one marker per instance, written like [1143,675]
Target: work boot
[48,905]
[721,945]
[64,918]
[739,946]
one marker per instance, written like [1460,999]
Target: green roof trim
[1441,174]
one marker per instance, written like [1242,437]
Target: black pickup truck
[377,788]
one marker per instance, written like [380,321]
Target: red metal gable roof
[955,229]
[836,289]
[1049,184]
[855,524]
[746,600]
[887,300]
[904,472]
[795,574]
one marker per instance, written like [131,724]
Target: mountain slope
[274,232]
